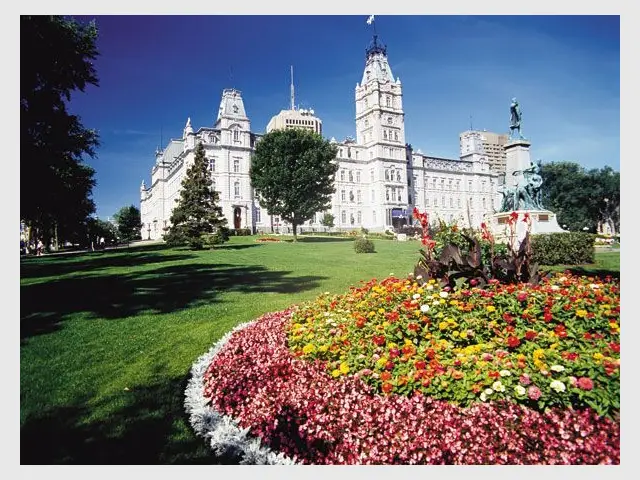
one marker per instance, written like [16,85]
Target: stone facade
[379,181]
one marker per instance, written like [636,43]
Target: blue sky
[155,71]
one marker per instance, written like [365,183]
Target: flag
[370,19]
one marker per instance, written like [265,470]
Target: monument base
[542,221]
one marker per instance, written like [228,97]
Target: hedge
[570,248]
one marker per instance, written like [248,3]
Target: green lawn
[107,339]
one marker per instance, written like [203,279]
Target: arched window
[386,175]
[350,176]
[399,177]
[393,194]
[236,188]
[352,219]
[236,166]
[393,175]
[342,175]
[351,195]
[384,134]
[387,194]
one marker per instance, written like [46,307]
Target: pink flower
[585,383]
[525,379]
[534,392]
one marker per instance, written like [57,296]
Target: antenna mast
[470,122]
[293,93]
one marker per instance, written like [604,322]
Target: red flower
[387,387]
[431,353]
[389,365]
[534,392]
[615,347]
[360,322]
[561,331]
[513,342]
[585,383]
[420,364]
[570,356]
[494,374]
[379,340]
[507,317]
[384,376]
[530,335]
[414,327]
[457,374]
[394,352]
[522,296]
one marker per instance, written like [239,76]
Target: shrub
[570,248]
[209,240]
[240,232]
[363,245]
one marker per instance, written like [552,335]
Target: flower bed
[267,239]
[307,384]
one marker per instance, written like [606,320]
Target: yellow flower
[463,334]
[323,348]
[456,333]
[453,302]
[443,325]
[432,281]
[553,346]
[381,362]
[598,356]
[490,308]
[421,290]
[538,354]
[372,313]
[417,313]
[344,368]
[581,313]
[381,310]
[335,373]
[308,348]
[385,324]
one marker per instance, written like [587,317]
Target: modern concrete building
[493,146]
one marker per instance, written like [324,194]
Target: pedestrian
[39,248]
[101,243]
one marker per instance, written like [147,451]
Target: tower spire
[293,93]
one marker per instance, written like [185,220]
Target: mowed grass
[107,339]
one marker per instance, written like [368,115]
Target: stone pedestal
[518,159]
[542,221]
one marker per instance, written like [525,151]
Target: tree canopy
[292,173]
[56,55]
[129,223]
[197,218]
[581,198]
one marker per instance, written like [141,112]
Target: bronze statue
[515,121]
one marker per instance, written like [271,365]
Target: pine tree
[197,219]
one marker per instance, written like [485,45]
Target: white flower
[419,277]
[594,286]
[444,294]
[483,397]
[429,287]
[562,279]
[424,308]
[520,390]
[488,391]
[391,274]
[558,386]
[498,386]
[557,368]
[416,296]
[555,287]
[505,373]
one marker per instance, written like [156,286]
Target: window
[343,196]
[471,202]
[444,204]
[358,176]
[374,216]
[484,185]
[399,177]
[426,183]
[341,154]
[393,194]
[236,136]
[386,175]
[371,173]
[353,220]
[435,201]
[350,176]
[357,153]
[388,101]
[442,184]
[366,101]
[427,201]
[400,195]
[342,175]
[236,166]
[359,217]
[351,195]
[387,194]
[366,123]
[344,217]
[213,184]
[373,196]
[470,185]
[450,184]
[236,188]
[258,215]
[395,135]
[450,202]
[370,152]
[457,184]
[484,203]
[433,184]
[459,203]
[393,175]
[384,134]
[212,164]
[359,196]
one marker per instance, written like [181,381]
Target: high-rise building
[492,145]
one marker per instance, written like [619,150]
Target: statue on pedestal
[515,121]
[525,194]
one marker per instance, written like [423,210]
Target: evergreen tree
[293,172]
[129,223]
[56,59]
[327,220]
[197,218]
